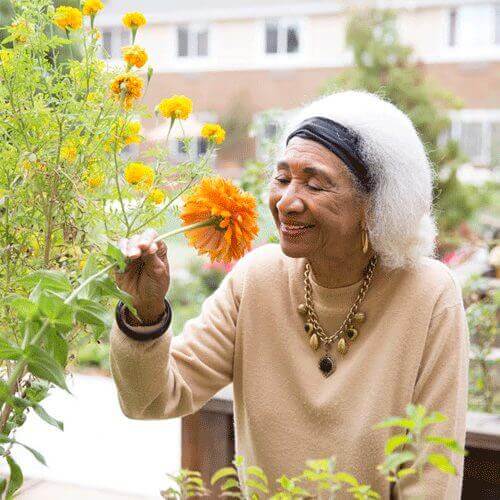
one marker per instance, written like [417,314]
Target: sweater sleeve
[171,376]
[442,385]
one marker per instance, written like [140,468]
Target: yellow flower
[127,86]
[133,20]
[131,133]
[82,263]
[177,106]
[157,196]
[95,180]
[5,56]
[213,132]
[134,56]
[92,7]
[92,97]
[234,213]
[140,175]
[68,18]
[20,29]
[69,152]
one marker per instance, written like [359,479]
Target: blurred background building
[238,58]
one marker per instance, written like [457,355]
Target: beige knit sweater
[413,347]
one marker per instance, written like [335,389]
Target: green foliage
[65,198]
[319,479]
[482,306]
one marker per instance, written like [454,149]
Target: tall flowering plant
[69,189]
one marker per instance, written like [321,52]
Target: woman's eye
[281,180]
[314,188]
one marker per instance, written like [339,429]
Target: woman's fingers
[139,244]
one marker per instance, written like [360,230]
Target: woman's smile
[294,230]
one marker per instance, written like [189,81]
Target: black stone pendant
[327,365]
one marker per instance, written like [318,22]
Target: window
[113,39]
[192,149]
[474,25]
[478,135]
[192,41]
[282,37]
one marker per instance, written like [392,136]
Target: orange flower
[128,87]
[233,214]
[134,56]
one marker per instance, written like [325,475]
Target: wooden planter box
[208,445]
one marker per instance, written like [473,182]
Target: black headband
[339,140]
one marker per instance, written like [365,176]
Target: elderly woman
[341,325]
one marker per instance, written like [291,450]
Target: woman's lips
[294,230]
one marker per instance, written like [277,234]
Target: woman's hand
[146,277]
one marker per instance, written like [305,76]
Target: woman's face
[311,187]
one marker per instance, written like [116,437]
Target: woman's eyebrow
[283,165]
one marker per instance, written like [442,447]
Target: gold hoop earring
[364,240]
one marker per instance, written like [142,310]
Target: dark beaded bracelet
[153,334]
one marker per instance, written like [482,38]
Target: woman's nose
[290,202]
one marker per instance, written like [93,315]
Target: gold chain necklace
[346,332]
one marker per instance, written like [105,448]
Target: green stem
[210,222]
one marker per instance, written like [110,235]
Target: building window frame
[193,48]
[454,24]
[487,119]
[283,24]
[119,37]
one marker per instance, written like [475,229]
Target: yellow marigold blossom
[131,133]
[92,7]
[234,213]
[95,180]
[20,29]
[69,152]
[92,97]
[68,18]
[157,196]
[213,132]
[138,174]
[127,86]
[177,106]
[5,56]
[134,56]
[133,20]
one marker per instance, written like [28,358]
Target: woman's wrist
[125,323]
[149,313]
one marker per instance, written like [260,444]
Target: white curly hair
[399,217]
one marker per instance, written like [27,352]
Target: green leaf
[257,471]
[24,307]
[16,477]
[3,484]
[257,485]
[406,472]
[48,280]
[434,418]
[44,366]
[345,478]
[392,462]
[321,464]
[230,483]
[107,288]
[451,444]
[115,255]
[57,346]
[395,441]
[238,459]
[90,312]
[395,422]
[9,351]
[45,416]
[223,472]
[35,453]
[285,482]
[53,307]
[297,490]
[441,462]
